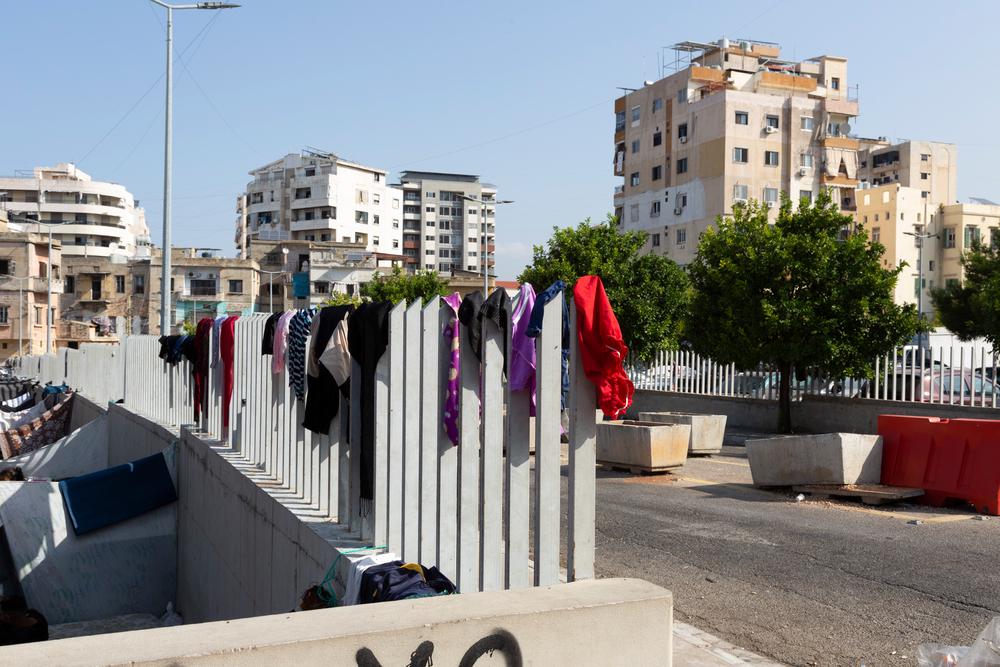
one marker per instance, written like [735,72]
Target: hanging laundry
[474,310]
[267,341]
[199,370]
[534,329]
[368,338]
[298,331]
[451,333]
[188,349]
[216,332]
[227,345]
[337,358]
[170,348]
[522,348]
[602,350]
[323,399]
[281,342]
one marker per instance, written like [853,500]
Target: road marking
[728,463]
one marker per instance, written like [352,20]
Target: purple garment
[522,363]
[453,300]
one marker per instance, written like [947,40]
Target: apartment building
[929,166]
[24,280]
[442,230]
[317,196]
[90,218]
[732,121]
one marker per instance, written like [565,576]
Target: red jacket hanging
[202,338]
[227,343]
[602,350]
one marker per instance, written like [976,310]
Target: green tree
[801,293]
[342,299]
[972,309]
[399,286]
[648,293]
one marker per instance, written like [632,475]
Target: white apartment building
[443,231]
[94,218]
[317,196]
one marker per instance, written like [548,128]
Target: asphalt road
[805,583]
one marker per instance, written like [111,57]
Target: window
[3,314]
[835,83]
[876,217]
[324,237]
[6,267]
[949,237]
[430,195]
[636,114]
[321,287]
[806,160]
[444,253]
[771,121]
[771,195]
[395,243]
[635,145]
[70,286]
[429,209]
[310,171]
[429,253]
[971,236]
[395,203]
[657,138]
[619,121]
[681,236]
[771,158]
[740,193]
[654,209]
[42,269]
[429,237]
[361,217]
[806,123]
[634,210]
[444,238]
[429,223]
[654,240]
[119,284]
[925,157]
[924,176]
[309,215]
[682,199]
[924,194]
[876,234]
[395,223]
[806,195]
[682,165]
[375,240]
[682,131]
[742,118]
[995,237]
[950,282]
[303,193]
[682,95]
[235,287]
[256,197]
[139,284]
[633,180]
[375,219]
[657,104]
[741,155]
[38,315]
[657,172]
[376,197]
[930,265]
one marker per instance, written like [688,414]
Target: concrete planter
[707,431]
[830,458]
[642,446]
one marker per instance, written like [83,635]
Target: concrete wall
[537,626]
[813,414]
[84,411]
[132,437]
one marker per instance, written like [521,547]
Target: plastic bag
[940,655]
[985,651]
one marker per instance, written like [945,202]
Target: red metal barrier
[951,459]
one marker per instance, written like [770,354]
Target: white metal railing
[955,374]
[466,508]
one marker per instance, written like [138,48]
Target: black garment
[169,349]
[367,339]
[474,310]
[189,350]
[267,342]
[392,581]
[322,400]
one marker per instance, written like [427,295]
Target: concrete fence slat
[582,494]
[491,506]
[468,467]
[548,373]
[430,428]
[412,405]
[446,461]
[394,441]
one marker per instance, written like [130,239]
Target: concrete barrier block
[707,431]
[642,445]
[552,625]
[829,458]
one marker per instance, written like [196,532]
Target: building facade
[316,196]
[734,122]
[90,218]
[928,166]
[443,231]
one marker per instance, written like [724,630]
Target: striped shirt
[298,331]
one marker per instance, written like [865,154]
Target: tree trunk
[784,398]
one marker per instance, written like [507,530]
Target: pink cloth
[522,363]
[450,332]
[281,342]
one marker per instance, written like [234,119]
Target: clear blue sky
[519,92]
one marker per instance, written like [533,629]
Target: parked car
[957,386]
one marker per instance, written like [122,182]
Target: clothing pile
[395,580]
[36,421]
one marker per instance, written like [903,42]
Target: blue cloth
[300,285]
[112,495]
[535,328]
[54,389]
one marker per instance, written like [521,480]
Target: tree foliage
[972,309]
[648,292]
[799,293]
[399,286]
[342,299]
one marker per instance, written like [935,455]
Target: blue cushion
[115,494]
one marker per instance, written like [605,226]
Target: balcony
[41,284]
[411,245]
[619,193]
[316,223]
[845,143]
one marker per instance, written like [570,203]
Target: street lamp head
[504,201]
[216,5]
[284,251]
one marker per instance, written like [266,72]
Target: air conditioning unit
[770,129]
[678,210]
[769,204]
[682,140]
[802,172]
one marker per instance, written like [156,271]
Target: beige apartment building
[929,166]
[734,122]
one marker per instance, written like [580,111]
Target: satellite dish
[845,128]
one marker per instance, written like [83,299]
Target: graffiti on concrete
[500,640]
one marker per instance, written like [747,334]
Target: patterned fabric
[451,398]
[51,426]
[522,348]
[298,331]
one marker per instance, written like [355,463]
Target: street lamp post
[168,151]
[920,237]
[485,238]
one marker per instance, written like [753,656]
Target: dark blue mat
[113,495]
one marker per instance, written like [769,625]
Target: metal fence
[954,374]
[469,509]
